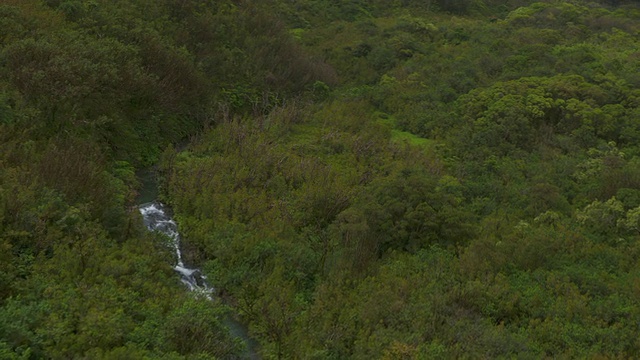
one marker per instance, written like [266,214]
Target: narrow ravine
[157,217]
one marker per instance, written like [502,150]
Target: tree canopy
[358,179]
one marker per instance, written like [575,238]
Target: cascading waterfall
[156,218]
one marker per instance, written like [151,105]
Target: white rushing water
[156,218]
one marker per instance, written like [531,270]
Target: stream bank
[158,217]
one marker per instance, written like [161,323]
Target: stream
[157,217]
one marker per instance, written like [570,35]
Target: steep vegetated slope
[469,189]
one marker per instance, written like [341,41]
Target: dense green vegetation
[360,179]
[90,91]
